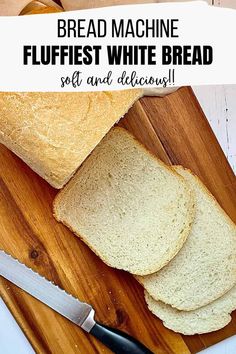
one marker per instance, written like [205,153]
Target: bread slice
[205,268]
[54,132]
[129,207]
[209,318]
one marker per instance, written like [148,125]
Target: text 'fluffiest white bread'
[209,318]
[205,268]
[130,208]
[54,132]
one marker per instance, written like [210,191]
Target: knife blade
[80,313]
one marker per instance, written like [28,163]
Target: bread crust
[182,238]
[54,132]
[206,190]
[209,318]
[156,285]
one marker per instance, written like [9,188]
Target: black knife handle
[118,341]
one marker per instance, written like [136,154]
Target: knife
[78,312]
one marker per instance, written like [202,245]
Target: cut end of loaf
[206,319]
[129,207]
[206,261]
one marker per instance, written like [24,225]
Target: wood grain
[175,129]
[30,233]
[187,138]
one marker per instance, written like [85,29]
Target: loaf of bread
[130,208]
[209,318]
[205,268]
[54,132]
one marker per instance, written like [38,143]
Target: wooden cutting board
[175,129]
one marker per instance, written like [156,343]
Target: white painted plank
[219,106]
[227,346]
[12,339]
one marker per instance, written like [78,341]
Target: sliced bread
[53,132]
[205,268]
[209,318]
[129,207]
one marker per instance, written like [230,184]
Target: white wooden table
[219,106]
